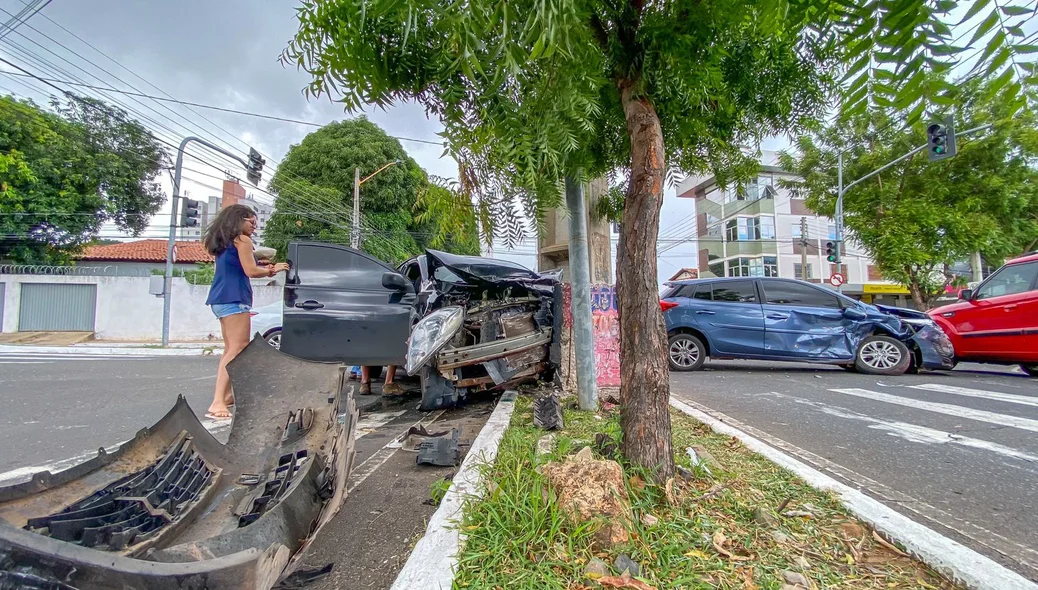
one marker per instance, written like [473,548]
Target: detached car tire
[685,352]
[1030,369]
[882,355]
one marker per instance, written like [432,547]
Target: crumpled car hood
[489,273]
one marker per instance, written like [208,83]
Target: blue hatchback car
[789,320]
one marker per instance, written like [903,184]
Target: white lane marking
[914,432]
[950,410]
[26,473]
[371,422]
[379,458]
[62,358]
[2,362]
[980,393]
[950,558]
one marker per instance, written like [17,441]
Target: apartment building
[756,230]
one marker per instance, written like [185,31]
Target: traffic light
[254,170]
[940,139]
[832,251]
[189,213]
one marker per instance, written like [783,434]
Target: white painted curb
[944,555]
[431,564]
[105,351]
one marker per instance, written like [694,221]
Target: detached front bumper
[935,346]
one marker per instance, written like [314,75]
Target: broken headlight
[430,334]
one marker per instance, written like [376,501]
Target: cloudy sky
[221,53]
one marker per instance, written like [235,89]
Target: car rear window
[795,294]
[735,292]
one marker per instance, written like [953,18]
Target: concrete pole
[977,267]
[839,218]
[355,231]
[580,282]
[803,249]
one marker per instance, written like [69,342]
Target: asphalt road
[954,450]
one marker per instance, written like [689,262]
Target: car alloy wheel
[685,352]
[883,355]
[274,340]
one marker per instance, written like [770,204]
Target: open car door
[343,305]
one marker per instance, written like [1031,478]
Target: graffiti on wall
[606,324]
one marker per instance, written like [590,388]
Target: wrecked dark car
[789,320]
[176,509]
[457,323]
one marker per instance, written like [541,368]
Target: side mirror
[853,313]
[966,294]
[394,281]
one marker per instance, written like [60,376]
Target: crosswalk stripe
[950,410]
[914,432]
[992,395]
[372,422]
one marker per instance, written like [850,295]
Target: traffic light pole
[168,282]
[841,190]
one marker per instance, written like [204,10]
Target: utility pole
[355,231]
[167,284]
[976,267]
[804,275]
[580,282]
[357,181]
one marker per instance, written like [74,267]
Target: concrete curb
[104,351]
[431,564]
[944,555]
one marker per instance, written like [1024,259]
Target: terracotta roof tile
[147,251]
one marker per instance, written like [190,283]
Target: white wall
[126,311]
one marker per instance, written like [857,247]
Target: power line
[216,108]
[23,15]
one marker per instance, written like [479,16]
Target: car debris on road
[174,508]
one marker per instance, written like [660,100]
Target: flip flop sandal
[213,416]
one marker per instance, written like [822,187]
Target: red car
[998,321]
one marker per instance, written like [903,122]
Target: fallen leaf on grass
[852,530]
[719,541]
[747,579]
[795,578]
[672,497]
[697,554]
[798,513]
[888,544]
[637,483]
[625,581]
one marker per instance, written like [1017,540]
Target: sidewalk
[118,348]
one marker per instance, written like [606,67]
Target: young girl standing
[229,239]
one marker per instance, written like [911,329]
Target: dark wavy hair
[225,228]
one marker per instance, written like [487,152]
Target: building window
[750,228]
[832,231]
[795,230]
[842,270]
[771,266]
[766,266]
[717,269]
[798,272]
[874,273]
[713,226]
[765,228]
[616,227]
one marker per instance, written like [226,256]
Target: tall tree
[314,193]
[919,218]
[64,174]
[530,92]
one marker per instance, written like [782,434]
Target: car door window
[320,265]
[1011,280]
[795,294]
[686,291]
[735,292]
[703,293]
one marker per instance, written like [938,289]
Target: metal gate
[54,307]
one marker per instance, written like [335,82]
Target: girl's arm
[248,259]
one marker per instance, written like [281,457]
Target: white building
[755,230]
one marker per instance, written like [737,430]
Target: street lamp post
[357,181]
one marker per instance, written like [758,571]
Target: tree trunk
[644,374]
[917,297]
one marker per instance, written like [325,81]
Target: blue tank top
[230,284]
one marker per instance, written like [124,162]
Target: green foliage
[529,92]
[919,217]
[314,188]
[63,175]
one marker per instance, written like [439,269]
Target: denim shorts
[222,310]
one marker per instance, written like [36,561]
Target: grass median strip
[734,521]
